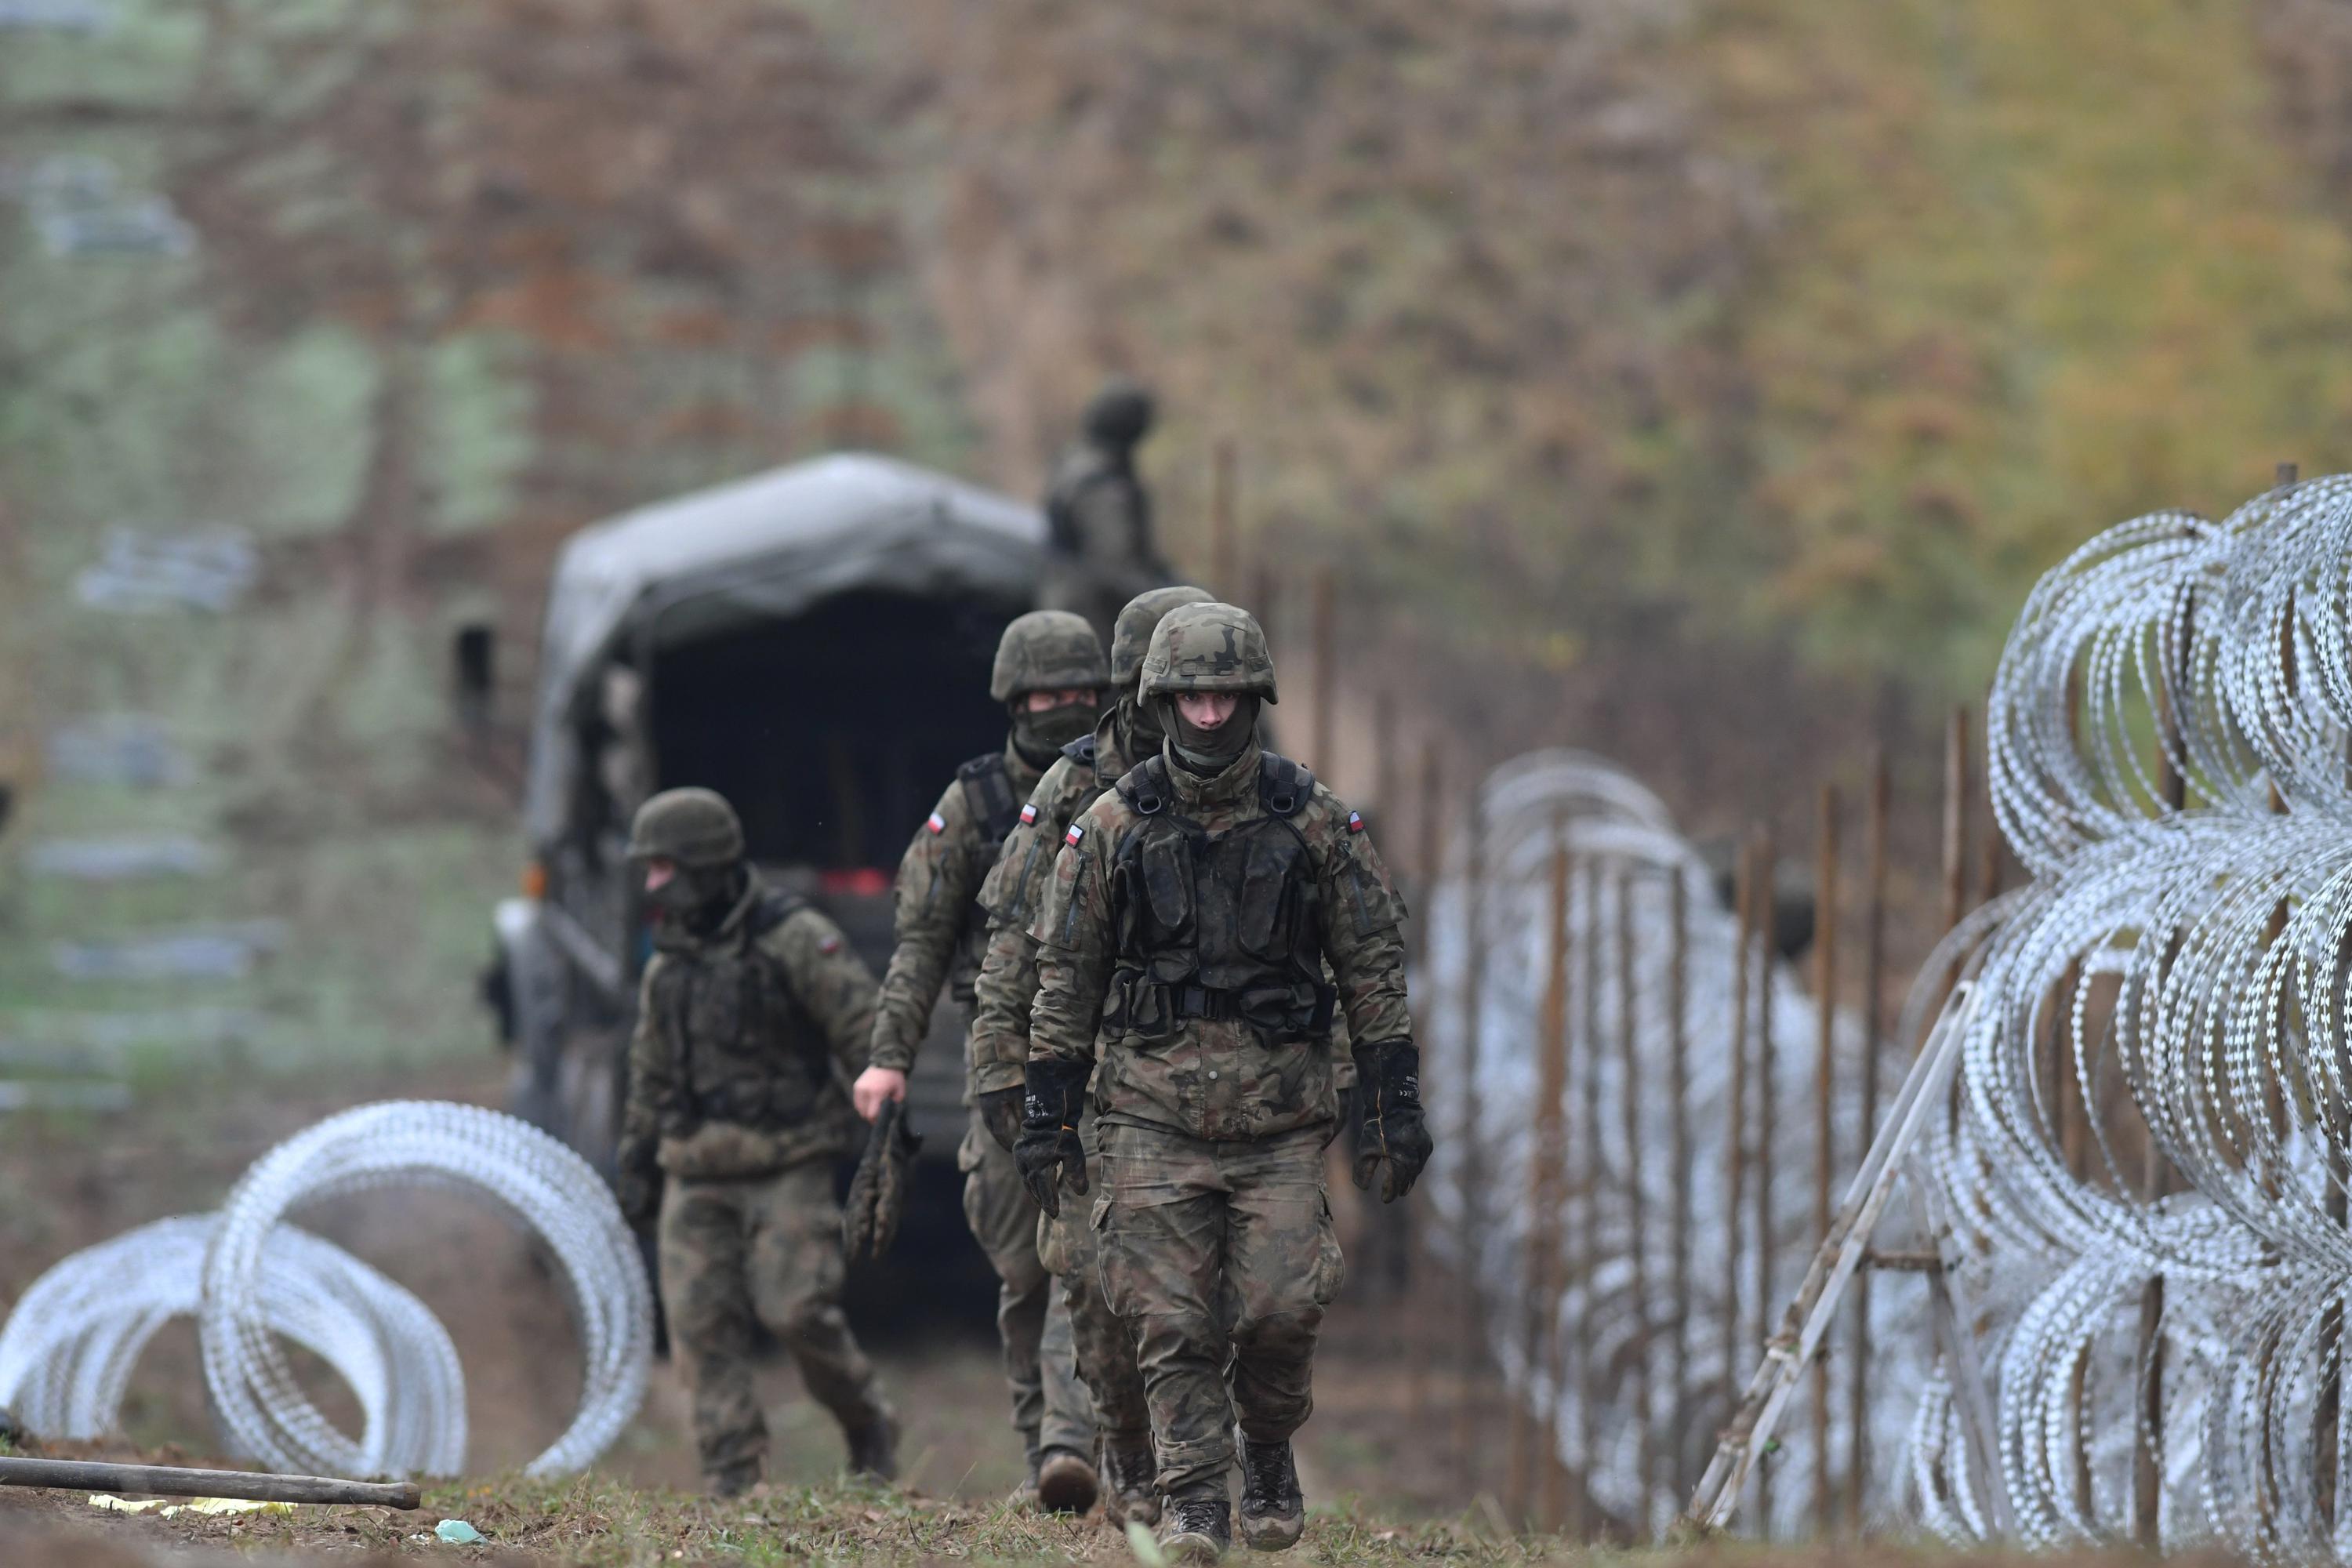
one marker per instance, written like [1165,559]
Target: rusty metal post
[1224,513]
[1825,979]
[1956,818]
[1735,1147]
[1581,1515]
[1324,630]
[1474,975]
[1540,1301]
[1874,1029]
[1679,1148]
[1428,864]
[1767,919]
[1637,1220]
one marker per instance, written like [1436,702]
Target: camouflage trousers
[1050,1407]
[1103,1342]
[763,1251]
[1192,1235]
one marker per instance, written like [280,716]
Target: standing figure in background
[1182,948]
[1049,674]
[1101,549]
[1104,1344]
[754,1012]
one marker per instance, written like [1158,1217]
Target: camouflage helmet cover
[1208,648]
[691,827]
[1131,636]
[1120,414]
[1048,650]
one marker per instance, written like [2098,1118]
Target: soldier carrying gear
[1183,945]
[1050,673]
[753,1011]
[999,1043]
[1100,551]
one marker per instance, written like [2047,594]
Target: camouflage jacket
[744,1042]
[938,923]
[1098,510]
[1220,1077]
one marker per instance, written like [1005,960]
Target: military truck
[814,644]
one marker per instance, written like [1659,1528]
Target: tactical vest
[746,1051]
[1062,534]
[1218,926]
[996,808]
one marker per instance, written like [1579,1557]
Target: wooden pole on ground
[1735,1146]
[167,1480]
[1588,1216]
[1825,977]
[1542,1286]
[1428,856]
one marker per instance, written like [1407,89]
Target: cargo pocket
[1330,1270]
[970,1153]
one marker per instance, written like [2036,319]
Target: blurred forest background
[1702,384]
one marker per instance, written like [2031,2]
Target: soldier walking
[1100,549]
[1184,941]
[1049,675]
[753,1012]
[1104,1344]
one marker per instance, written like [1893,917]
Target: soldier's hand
[1000,1112]
[1051,1103]
[876,1087]
[1392,1141]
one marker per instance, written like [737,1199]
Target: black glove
[1055,1095]
[1000,1112]
[1393,1130]
[637,1183]
[878,1193]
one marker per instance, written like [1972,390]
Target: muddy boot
[1274,1513]
[1130,1489]
[733,1480]
[1198,1527]
[874,1451]
[1065,1482]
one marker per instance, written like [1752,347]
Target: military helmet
[691,827]
[1208,648]
[1048,650]
[1132,635]
[1119,415]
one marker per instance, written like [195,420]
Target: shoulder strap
[1145,787]
[1283,785]
[989,787]
[775,907]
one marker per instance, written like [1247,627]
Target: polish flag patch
[936,823]
[1355,822]
[829,945]
[1029,814]
[1077,831]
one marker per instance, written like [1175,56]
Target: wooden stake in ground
[1637,1228]
[253,1486]
[1825,932]
[1873,1027]
[1546,1190]
[1735,1132]
[1474,975]
[1679,1150]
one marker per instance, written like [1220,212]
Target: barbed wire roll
[70,1346]
[409,1143]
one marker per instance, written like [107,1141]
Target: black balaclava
[1141,722]
[1211,752]
[1039,737]
[696,899]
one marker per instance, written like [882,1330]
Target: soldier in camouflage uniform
[1184,941]
[1049,674]
[1100,551]
[753,1011]
[999,1043]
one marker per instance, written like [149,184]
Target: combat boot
[731,1480]
[1199,1526]
[1274,1511]
[1065,1482]
[1130,1489]
[874,1450]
